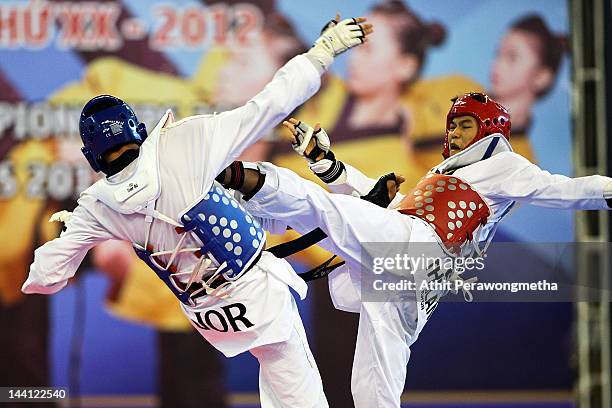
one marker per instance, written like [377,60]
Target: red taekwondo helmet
[490,115]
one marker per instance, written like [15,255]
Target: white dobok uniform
[387,329]
[176,167]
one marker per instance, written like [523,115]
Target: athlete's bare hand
[393,186]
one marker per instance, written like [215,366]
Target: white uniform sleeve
[223,137]
[57,261]
[514,177]
[356,183]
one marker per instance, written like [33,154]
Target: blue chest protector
[230,237]
[229,234]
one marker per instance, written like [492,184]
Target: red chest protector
[449,205]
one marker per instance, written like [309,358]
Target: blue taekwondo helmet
[106,123]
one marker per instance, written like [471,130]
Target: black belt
[282,251]
[299,244]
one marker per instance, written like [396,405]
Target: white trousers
[260,315]
[386,329]
[381,354]
[348,221]
[288,374]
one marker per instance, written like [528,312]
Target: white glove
[338,37]
[303,135]
[61,216]
[314,146]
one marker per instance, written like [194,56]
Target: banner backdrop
[384,104]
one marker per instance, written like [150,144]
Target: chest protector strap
[230,238]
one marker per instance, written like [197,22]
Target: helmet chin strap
[121,162]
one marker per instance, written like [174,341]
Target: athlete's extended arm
[513,177]
[227,135]
[57,261]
